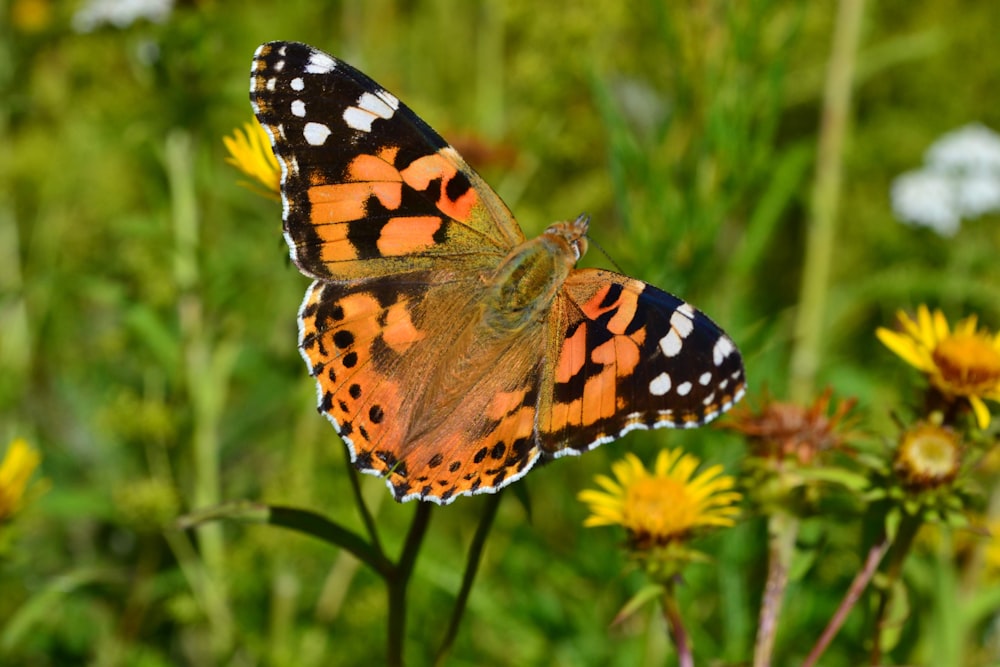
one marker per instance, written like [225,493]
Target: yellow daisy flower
[16,468]
[250,152]
[664,505]
[964,362]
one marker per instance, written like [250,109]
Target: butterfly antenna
[604,252]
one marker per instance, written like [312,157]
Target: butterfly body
[449,352]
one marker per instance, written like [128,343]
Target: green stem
[809,324]
[857,587]
[206,372]
[783,530]
[399,580]
[471,567]
[904,537]
[359,501]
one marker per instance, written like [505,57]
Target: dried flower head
[788,430]
[928,456]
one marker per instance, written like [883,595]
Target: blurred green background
[147,309]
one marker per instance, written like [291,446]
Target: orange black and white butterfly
[451,353]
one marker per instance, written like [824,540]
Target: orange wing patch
[422,171]
[346,340]
[404,236]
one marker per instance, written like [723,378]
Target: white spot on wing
[357,119]
[660,385]
[370,106]
[687,309]
[297,83]
[320,63]
[684,388]
[671,344]
[682,322]
[723,348]
[315,133]
[705,378]
[298,108]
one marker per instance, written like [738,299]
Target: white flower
[978,193]
[120,13]
[961,179]
[926,199]
[973,147]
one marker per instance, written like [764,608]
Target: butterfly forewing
[368,188]
[413,363]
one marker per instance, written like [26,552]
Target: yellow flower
[664,505]
[30,16]
[991,552]
[250,152]
[15,471]
[961,363]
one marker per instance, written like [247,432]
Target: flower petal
[980,410]
[905,348]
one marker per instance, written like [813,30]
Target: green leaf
[646,594]
[303,521]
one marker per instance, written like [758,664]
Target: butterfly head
[573,233]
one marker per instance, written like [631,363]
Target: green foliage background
[147,312]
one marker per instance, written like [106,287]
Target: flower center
[928,456]
[659,508]
[969,363]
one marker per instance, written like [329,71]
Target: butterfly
[451,353]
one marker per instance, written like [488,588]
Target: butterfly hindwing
[367,187]
[632,356]
[434,430]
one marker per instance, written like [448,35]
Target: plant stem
[901,544]
[851,598]
[206,375]
[675,625]
[359,501]
[399,580]
[492,503]
[809,324]
[783,529]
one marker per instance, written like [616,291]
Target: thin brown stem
[675,625]
[851,598]
[783,530]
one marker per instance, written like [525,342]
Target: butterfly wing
[626,355]
[368,189]
[409,379]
